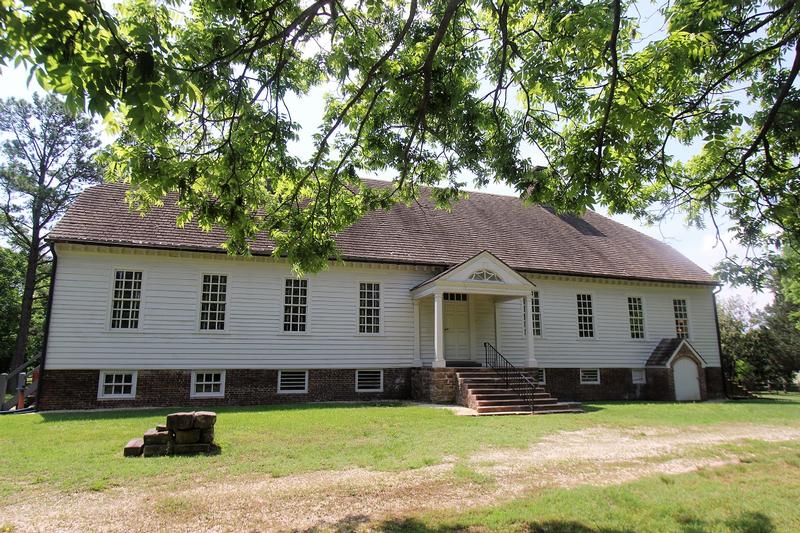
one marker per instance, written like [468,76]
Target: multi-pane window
[536,317]
[127,299]
[638,376]
[117,385]
[208,383]
[292,381]
[295,305]
[585,316]
[369,380]
[590,376]
[212,302]
[541,376]
[455,297]
[636,317]
[369,308]
[681,318]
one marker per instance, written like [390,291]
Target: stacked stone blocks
[184,433]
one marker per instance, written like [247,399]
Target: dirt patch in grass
[350,499]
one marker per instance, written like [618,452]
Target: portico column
[527,302]
[438,330]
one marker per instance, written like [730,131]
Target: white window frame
[110,310]
[280,376]
[675,318]
[592,299]
[380,370]
[283,331]
[644,319]
[225,323]
[101,395]
[455,297]
[193,392]
[380,309]
[638,376]
[535,300]
[586,381]
[485,275]
[542,376]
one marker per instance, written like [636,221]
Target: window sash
[369,307]
[117,385]
[681,312]
[455,297]
[213,302]
[636,317]
[638,376]
[208,383]
[536,317]
[585,316]
[126,299]
[295,305]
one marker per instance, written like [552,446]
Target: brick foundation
[77,389]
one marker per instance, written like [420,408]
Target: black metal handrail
[514,379]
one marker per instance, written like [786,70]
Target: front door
[456,328]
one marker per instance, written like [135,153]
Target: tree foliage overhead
[571,102]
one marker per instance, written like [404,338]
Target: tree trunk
[26,312]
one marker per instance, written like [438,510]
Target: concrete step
[565,408]
[483,395]
[515,408]
[515,400]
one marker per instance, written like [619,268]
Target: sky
[699,245]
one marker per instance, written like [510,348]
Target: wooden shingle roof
[529,238]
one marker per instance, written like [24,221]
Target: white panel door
[687,380]
[456,330]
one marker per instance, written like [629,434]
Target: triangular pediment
[483,272]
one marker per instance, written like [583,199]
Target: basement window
[590,376]
[541,376]
[117,385]
[208,384]
[638,376]
[292,381]
[369,380]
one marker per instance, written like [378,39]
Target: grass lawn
[760,495]
[80,451]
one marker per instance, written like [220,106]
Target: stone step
[480,388]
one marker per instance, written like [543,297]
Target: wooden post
[21,382]
[3,390]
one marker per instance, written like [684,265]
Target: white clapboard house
[460,306]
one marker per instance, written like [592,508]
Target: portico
[465,299]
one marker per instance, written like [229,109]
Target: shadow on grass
[119,414]
[744,523]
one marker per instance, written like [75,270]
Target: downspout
[722,356]
[47,325]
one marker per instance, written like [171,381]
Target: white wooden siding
[612,346]
[169,337]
